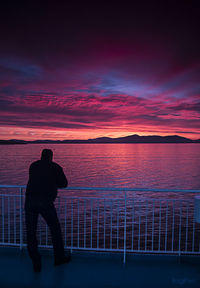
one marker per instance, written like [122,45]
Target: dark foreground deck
[99,270]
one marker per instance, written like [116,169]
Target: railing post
[124,260]
[21,218]
[72,224]
[59,212]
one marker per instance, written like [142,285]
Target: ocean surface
[110,165]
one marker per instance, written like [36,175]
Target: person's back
[44,178]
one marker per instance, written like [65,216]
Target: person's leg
[31,218]
[48,212]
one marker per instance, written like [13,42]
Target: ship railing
[109,219]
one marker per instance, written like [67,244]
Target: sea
[166,166]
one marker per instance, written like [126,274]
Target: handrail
[123,189]
[127,221]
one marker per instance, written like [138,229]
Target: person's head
[47,154]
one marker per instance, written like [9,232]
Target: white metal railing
[104,221]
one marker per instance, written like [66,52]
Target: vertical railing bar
[65,222]
[124,260]
[111,211]
[153,212]
[3,218]
[72,224]
[59,209]
[146,210]
[14,219]
[91,223]
[84,223]
[21,218]
[78,223]
[46,234]
[193,234]
[46,226]
[98,225]
[40,230]
[159,226]
[166,223]
[179,245]
[186,240]
[104,225]
[117,224]
[132,244]
[8,219]
[139,225]
[173,209]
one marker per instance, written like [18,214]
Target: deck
[90,269]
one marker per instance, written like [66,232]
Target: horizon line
[151,135]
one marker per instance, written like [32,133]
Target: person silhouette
[45,177]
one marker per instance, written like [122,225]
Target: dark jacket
[45,177]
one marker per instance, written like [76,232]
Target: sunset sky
[99,68]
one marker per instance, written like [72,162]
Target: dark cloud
[32,123]
[187,107]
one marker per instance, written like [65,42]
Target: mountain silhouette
[127,139]
[143,139]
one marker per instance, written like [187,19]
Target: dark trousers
[46,208]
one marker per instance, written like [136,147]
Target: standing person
[45,177]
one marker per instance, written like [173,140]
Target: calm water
[110,165]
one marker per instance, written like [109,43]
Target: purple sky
[99,68]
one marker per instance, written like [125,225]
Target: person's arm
[61,179]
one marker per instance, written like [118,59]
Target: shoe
[37,266]
[65,259]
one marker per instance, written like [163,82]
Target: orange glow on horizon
[20,133]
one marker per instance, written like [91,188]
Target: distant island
[128,139]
